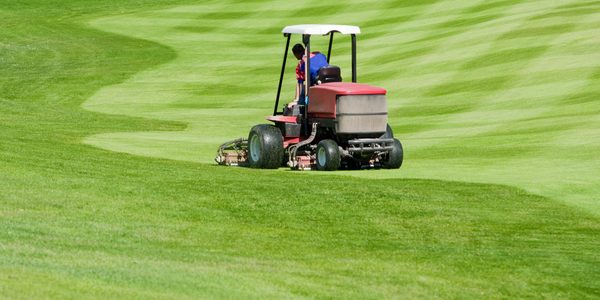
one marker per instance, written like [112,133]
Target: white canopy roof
[321,29]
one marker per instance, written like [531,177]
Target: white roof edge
[320,29]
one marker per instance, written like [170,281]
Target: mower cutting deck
[344,125]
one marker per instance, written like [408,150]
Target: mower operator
[317,60]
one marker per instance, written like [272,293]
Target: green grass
[110,114]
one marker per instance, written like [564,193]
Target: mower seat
[329,74]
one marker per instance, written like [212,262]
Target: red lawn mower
[342,126]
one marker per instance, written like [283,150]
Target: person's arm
[298,89]
[299,83]
[296,97]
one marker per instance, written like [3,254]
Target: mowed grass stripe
[477,76]
[450,52]
[519,57]
[579,75]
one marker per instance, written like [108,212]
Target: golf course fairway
[111,114]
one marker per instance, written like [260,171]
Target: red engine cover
[322,98]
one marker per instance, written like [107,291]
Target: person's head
[298,51]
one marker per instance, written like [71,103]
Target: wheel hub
[255,148]
[321,156]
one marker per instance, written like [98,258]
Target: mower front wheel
[265,147]
[328,156]
[395,156]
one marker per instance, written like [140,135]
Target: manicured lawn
[110,114]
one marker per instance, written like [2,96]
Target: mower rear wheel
[328,156]
[265,147]
[395,156]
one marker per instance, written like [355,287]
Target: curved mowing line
[472,100]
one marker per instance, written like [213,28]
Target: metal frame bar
[354,58]
[330,43]
[370,145]
[287,46]
[306,40]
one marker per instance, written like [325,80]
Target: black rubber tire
[328,156]
[389,133]
[395,157]
[265,147]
